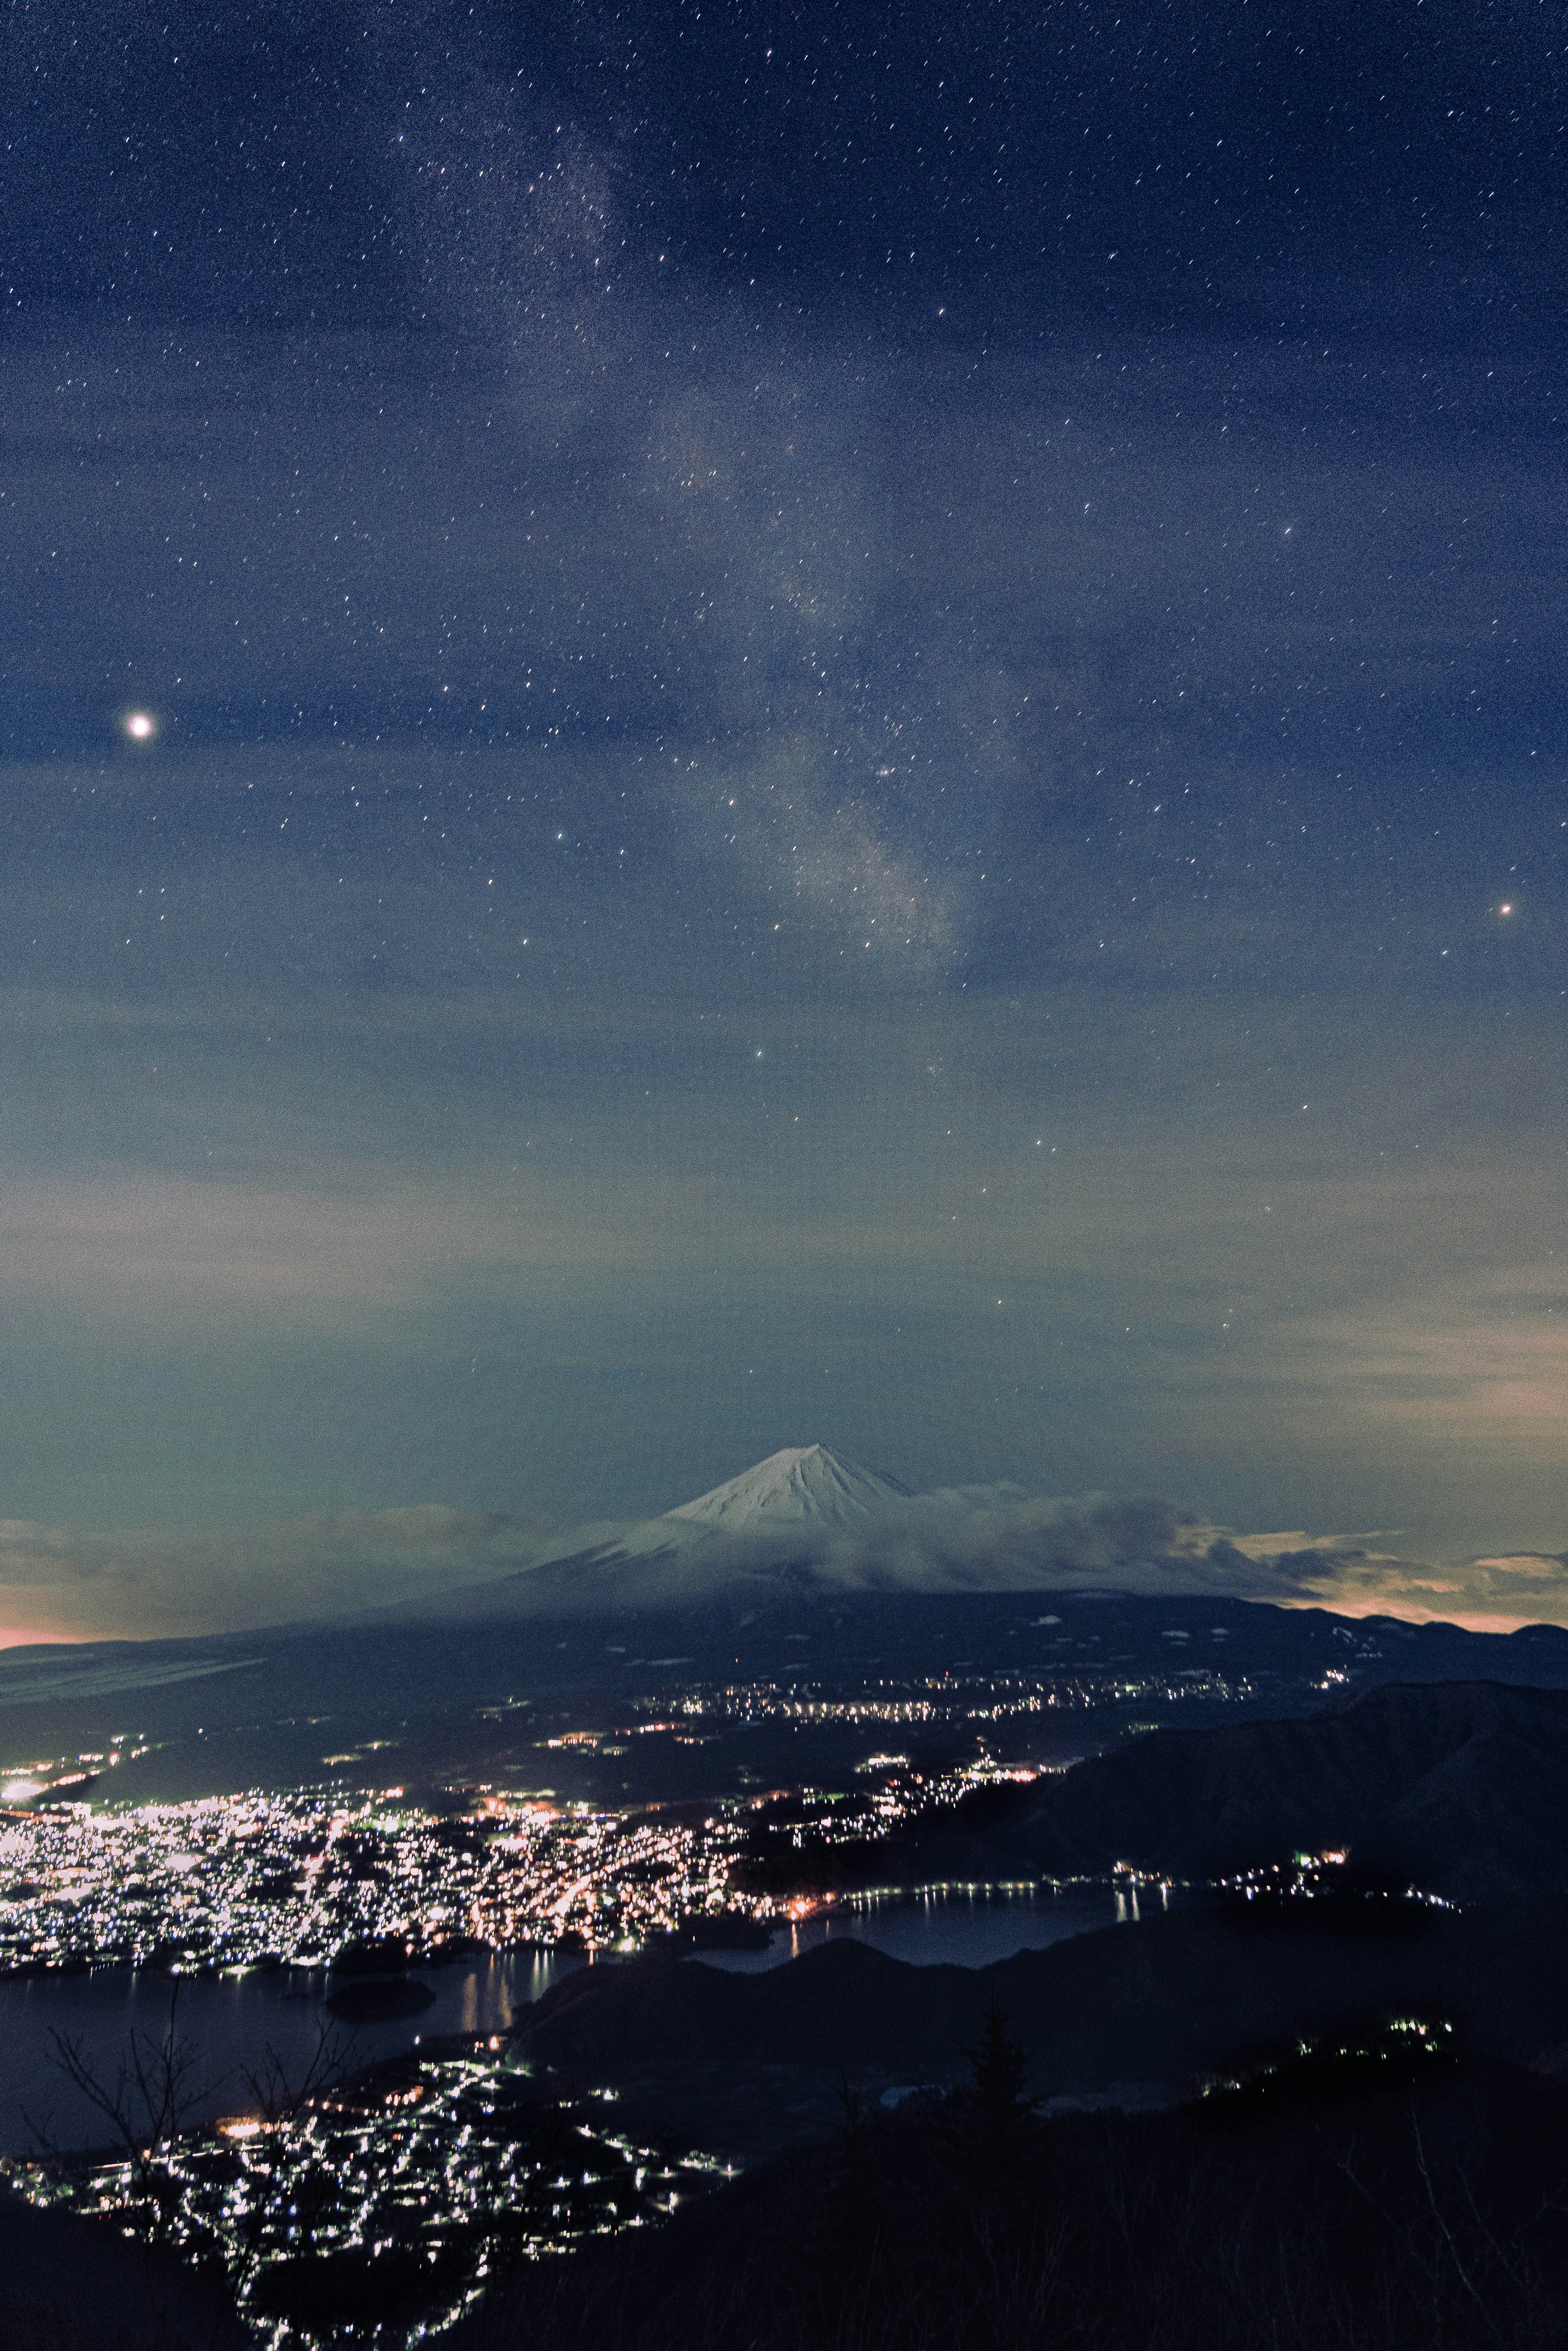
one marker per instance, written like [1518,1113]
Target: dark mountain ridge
[1460,1788]
[68,2281]
[748,2062]
[1392,2198]
[260,1708]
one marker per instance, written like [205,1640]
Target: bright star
[139,725]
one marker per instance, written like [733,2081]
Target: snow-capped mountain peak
[802,1485]
[798,1496]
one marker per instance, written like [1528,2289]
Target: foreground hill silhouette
[1381,2196]
[1460,1788]
[68,2283]
[748,2062]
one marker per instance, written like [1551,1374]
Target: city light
[456,2160]
[241,1881]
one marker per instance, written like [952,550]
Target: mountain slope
[808,1521]
[1149,2003]
[804,1485]
[801,1490]
[770,1525]
[1461,1786]
[1402,2200]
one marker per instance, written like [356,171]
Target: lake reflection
[963,1926]
[233,2021]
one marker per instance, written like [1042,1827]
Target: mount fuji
[803,1485]
[808,1521]
[776,1522]
[775,1519]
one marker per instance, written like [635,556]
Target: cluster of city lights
[900,1792]
[253,1879]
[415,2185]
[951,1698]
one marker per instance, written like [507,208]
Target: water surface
[965,1926]
[231,2022]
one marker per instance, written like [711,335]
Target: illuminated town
[257,1880]
[253,1879]
[949,1698]
[295,1877]
[379,2209]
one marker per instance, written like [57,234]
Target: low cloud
[952,1541]
[1486,1596]
[61,1583]
[1000,1540]
[146,1240]
[72,1584]
[959,1540]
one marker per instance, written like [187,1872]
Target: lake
[965,1926]
[233,2020]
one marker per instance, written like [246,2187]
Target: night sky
[732,725]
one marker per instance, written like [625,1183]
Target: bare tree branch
[156,2086]
[279,2096]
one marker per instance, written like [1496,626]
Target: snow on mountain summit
[807,1520]
[801,1491]
[802,1485]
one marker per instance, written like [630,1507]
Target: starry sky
[729,725]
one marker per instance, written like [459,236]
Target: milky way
[724,730]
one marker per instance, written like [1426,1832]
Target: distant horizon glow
[845,1529]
